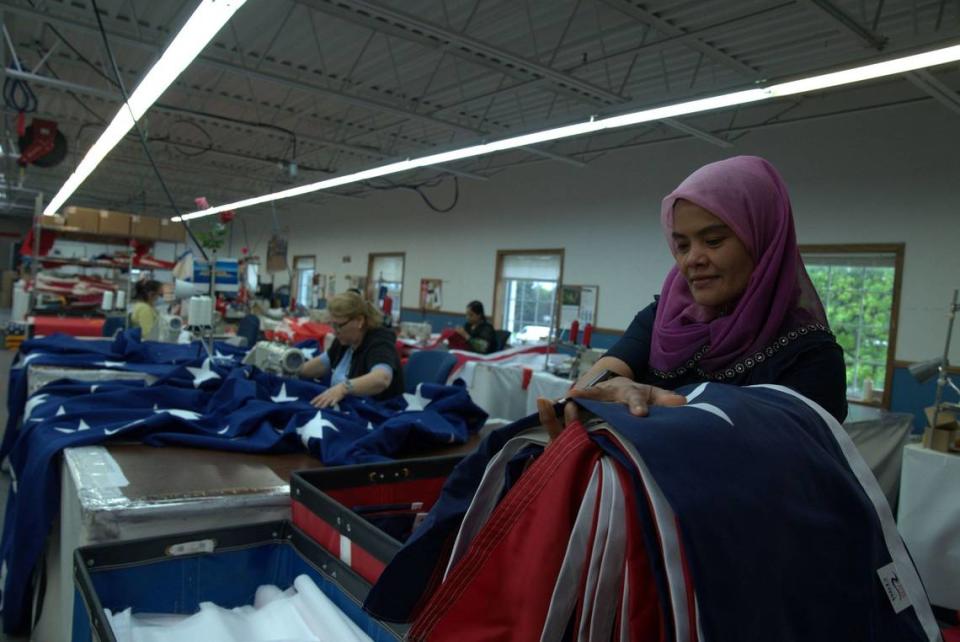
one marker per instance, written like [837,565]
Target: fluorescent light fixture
[202,26]
[873,71]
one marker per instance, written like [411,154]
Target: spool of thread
[574,331]
[21,301]
[587,334]
[121,300]
[201,311]
[387,305]
[106,303]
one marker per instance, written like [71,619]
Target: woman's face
[472,317]
[349,330]
[714,261]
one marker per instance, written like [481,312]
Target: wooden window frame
[898,250]
[370,277]
[498,293]
[294,273]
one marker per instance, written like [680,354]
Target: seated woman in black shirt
[738,307]
[363,359]
[477,331]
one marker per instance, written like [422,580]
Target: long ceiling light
[873,71]
[202,26]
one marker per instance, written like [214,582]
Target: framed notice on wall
[578,302]
[430,294]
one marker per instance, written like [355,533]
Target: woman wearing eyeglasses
[363,359]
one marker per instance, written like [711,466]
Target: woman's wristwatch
[348,385]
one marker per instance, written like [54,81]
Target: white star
[107,431]
[189,415]
[314,428]
[94,387]
[60,411]
[224,431]
[113,364]
[308,353]
[697,391]
[709,407]
[202,373]
[32,404]
[369,425]
[283,397]
[416,401]
[27,359]
[13,486]
[80,427]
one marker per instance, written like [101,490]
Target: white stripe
[669,538]
[567,586]
[898,552]
[610,575]
[345,550]
[597,548]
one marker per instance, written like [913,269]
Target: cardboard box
[945,436]
[56,220]
[114,223]
[145,227]
[170,231]
[85,219]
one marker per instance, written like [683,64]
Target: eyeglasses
[339,326]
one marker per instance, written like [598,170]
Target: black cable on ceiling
[136,125]
[17,93]
[196,112]
[419,187]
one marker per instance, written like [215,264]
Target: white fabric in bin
[929,520]
[302,613]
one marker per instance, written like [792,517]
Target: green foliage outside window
[858,301]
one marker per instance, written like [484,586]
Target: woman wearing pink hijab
[738,307]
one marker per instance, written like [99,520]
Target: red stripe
[318,530]
[426,491]
[365,564]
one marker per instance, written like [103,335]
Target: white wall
[883,176]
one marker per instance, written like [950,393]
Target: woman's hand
[463,333]
[638,397]
[329,397]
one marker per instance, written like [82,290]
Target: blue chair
[113,325]
[249,329]
[427,366]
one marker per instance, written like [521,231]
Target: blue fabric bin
[174,573]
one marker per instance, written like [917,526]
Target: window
[385,278]
[525,295]
[860,289]
[304,267]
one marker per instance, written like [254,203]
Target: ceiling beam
[939,91]
[379,18]
[840,17]
[663,26]
[215,63]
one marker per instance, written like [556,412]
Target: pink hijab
[748,194]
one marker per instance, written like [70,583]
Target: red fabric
[416,490]
[952,635]
[74,326]
[514,561]
[454,339]
[527,376]
[47,238]
[324,534]
[308,330]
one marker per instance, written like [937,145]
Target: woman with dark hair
[144,315]
[477,331]
[737,307]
